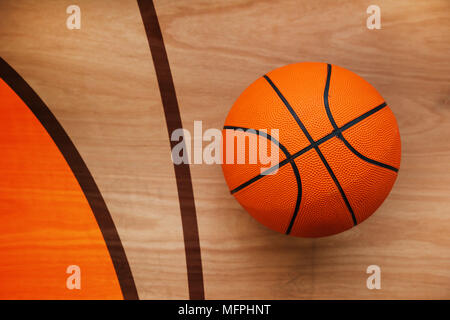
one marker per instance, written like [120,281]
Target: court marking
[81,173]
[340,135]
[182,171]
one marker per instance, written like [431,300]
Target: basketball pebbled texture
[339,149]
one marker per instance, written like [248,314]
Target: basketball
[338,149]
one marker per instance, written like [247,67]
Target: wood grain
[100,83]
[217,50]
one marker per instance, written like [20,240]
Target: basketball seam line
[318,142]
[340,135]
[291,161]
[308,136]
[261,133]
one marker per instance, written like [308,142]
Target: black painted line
[182,171]
[81,173]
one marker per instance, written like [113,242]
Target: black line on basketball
[299,196]
[262,134]
[182,171]
[290,109]
[81,173]
[309,147]
[288,159]
[362,117]
[339,133]
[314,144]
[356,152]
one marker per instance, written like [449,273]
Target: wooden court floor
[86,176]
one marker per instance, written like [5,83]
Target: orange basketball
[339,149]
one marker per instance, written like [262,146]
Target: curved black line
[299,196]
[318,142]
[291,110]
[338,185]
[182,171]
[289,159]
[81,173]
[325,97]
[262,134]
[357,153]
[256,178]
[314,144]
[271,169]
[339,133]
[362,117]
